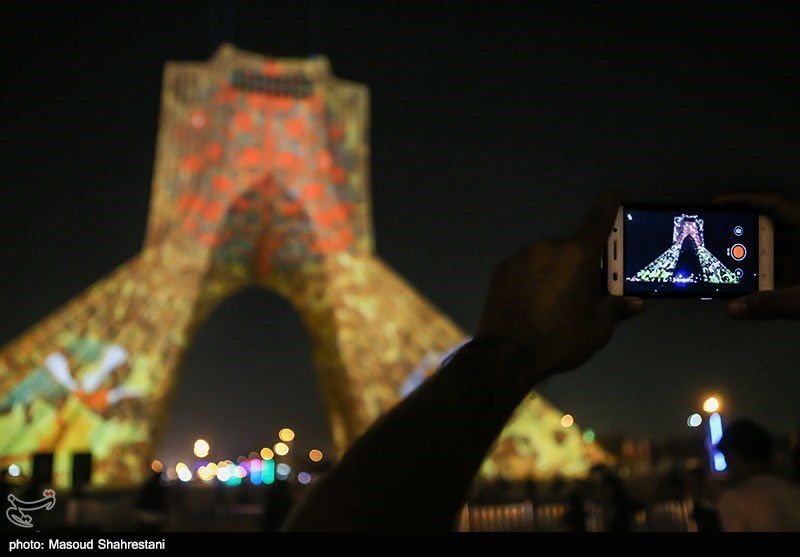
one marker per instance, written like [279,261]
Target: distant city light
[567,420]
[694,420]
[212,468]
[715,428]
[304,478]
[281,449]
[201,448]
[719,462]
[282,471]
[184,474]
[14,470]
[171,473]
[711,404]
[256,471]
[223,474]
[197,464]
[180,466]
[205,474]
[240,472]
[286,434]
[268,471]
[267,454]
[315,455]
[252,455]
[588,436]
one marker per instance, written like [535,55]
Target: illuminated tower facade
[261,178]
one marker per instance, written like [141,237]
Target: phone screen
[704,251]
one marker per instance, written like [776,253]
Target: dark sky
[492,124]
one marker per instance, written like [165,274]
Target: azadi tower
[261,178]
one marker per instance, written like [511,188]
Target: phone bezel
[615,250]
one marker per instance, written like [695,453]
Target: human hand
[784,301]
[547,298]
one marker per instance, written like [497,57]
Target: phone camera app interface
[690,252]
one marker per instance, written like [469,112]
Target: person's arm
[784,301]
[544,313]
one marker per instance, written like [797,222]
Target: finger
[598,222]
[618,308]
[769,304]
[775,202]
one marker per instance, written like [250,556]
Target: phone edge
[766,253]
[615,261]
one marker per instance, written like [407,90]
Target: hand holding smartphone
[675,251]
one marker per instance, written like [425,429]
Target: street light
[281,449]
[712,406]
[201,448]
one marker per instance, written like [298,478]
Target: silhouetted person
[532,491]
[278,502]
[5,491]
[151,505]
[704,508]
[706,516]
[759,500]
[674,485]
[575,516]
[618,502]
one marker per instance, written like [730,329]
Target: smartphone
[689,251]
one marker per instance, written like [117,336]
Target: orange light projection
[261,179]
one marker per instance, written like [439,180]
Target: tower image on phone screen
[690,252]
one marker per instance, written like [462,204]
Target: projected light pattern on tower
[261,180]
[687,260]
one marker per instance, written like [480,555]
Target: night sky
[492,124]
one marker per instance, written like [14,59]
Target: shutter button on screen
[738,252]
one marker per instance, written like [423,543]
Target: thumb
[617,308]
[768,304]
